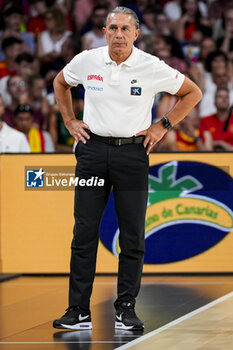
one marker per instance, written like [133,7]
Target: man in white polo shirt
[114,140]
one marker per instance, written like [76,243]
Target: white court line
[143,283]
[61,342]
[175,322]
[180,282]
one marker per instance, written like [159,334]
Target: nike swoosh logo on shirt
[119,317]
[82,318]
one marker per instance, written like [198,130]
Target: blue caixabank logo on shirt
[136,91]
[189,211]
[35,178]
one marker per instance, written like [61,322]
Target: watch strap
[166,123]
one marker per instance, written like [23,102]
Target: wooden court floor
[179,312]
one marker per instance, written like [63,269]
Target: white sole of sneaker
[78,326]
[120,325]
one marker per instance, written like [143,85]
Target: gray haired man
[114,141]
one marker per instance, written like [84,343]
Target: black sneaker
[126,317]
[74,318]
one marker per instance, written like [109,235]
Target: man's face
[38,89]
[99,18]
[40,7]
[13,21]
[229,21]
[25,68]
[222,100]
[16,87]
[162,23]
[158,44]
[218,61]
[220,77]
[24,121]
[207,46]
[14,50]
[120,33]
[190,6]
[164,55]
[2,109]
[149,20]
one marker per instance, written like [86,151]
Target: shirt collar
[129,62]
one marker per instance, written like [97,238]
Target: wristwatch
[166,123]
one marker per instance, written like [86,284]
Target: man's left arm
[190,95]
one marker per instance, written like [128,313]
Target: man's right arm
[64,100]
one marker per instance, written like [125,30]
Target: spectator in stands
[27,64]
[159,43]
[146,43]
[13,25]
[197,70]
[48,72]
[83,9]
[162,24]
[36,97]
[62,139]
[215,59]
[165,104]
[36,23]
[64,5]
[167,41]
[70,48]
[218,75]
[175,62]
[167,49]
[225,43]
[95,37]
[12,47]
[18,91]
[216,134]
[39,141]
[51,40]
[191,19]
[11,140]
[185,136]
[216,9]
[148,20]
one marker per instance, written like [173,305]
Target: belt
[116,141]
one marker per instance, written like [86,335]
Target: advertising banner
[189,219]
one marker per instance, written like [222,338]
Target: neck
[1,124]
[11,65]
[13,104]
[55,33]
[98,32]
[222,115]
[119,57]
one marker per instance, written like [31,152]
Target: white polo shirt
[13,141]
[119,98]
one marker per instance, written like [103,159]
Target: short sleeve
[73,70]
[167,79]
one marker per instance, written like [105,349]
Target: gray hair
[126,11]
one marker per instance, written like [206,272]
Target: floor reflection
[75,340]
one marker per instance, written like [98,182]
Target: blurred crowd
[39,37]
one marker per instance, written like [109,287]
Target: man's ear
[137,33]
[104,30]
